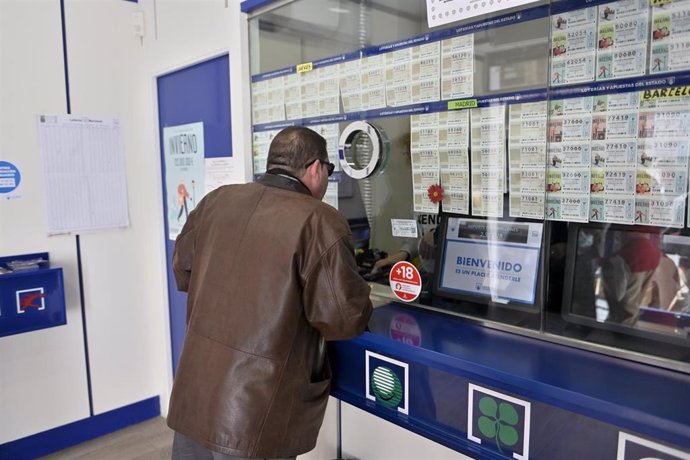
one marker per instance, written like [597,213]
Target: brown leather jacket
[270,272]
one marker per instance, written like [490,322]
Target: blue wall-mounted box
[32,295]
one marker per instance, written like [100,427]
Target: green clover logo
[497,422]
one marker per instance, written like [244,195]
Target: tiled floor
[149,440]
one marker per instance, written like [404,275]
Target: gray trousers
[187,449]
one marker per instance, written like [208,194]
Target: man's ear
[310,178]
[313,171]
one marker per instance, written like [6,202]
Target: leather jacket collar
[281,178]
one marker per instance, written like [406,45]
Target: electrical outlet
[138,23]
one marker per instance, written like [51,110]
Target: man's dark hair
[294,147]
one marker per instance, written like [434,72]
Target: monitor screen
[491,261]
[628,278]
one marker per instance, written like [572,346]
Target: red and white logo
[405,281]
[30,299]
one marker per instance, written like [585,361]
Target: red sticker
[405,281]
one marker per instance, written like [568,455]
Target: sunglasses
[329,165]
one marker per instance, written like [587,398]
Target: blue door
[198,93]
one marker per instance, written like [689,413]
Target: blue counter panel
[492,394]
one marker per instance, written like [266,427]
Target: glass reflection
[636,277]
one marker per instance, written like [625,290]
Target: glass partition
[530,163]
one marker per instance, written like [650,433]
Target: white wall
[111,73]
[42,374]
[365,436]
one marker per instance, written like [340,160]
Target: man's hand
[390,260]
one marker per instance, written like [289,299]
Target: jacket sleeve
[183,255]
[335,297]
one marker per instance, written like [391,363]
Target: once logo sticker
[387,381]
[386,386]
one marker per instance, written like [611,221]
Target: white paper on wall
[84,173]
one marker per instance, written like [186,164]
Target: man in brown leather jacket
[271,275]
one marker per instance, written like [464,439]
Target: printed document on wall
[84,173]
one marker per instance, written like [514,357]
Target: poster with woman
[183,148]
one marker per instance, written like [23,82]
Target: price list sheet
[84,173]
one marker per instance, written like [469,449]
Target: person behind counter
[423,247]
[271,275]
[627,273]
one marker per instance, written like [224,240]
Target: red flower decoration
[435,193]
